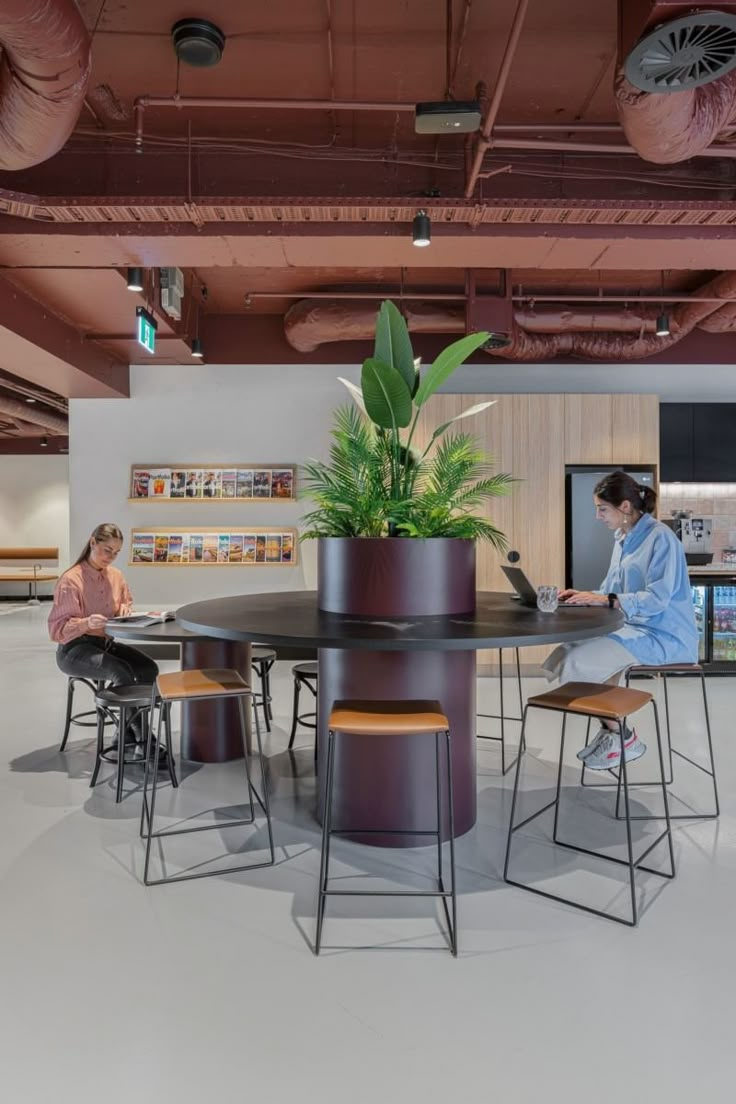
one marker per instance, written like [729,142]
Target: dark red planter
[389,781]
[396,576]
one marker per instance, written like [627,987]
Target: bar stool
[200,685]
[262,660]
[77,718]
[121,705]
[666,671]
[395,718]
[307,675]
[606,702]
[502,717]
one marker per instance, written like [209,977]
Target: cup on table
[547,599]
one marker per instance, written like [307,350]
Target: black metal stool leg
[269,698]
[246,764]
[295,716]
[68,718]
[629,844]
[325,858]
[152,811]
[264,697]
[451,814]
[170,750]
[665,798]
[559,777]
[521,692]
[503,711]
[99,747]
[438,789]
[122,736]
[265,803]
[706,713]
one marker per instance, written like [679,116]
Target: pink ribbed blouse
[82,591]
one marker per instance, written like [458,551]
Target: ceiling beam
[39,346]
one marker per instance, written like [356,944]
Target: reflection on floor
[208,988]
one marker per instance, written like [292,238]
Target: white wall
[34,508]
[200,415]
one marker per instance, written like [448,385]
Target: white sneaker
[607,755]
[592,746]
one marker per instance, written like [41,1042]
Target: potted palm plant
[398,525]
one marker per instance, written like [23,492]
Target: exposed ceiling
[263,205]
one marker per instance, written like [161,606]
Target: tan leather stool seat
[212,682]
[595,699]
[376,718]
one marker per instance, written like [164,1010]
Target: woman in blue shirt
[648,581]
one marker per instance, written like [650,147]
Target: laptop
[521,585]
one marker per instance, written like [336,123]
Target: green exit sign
[147,327]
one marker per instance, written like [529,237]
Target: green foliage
[375,484]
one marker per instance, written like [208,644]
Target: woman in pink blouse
[85,596]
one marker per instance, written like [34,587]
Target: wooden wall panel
[588,429]
[635,429]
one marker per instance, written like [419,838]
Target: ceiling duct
[44,72]
[22,412]
[601,333]
[675,89]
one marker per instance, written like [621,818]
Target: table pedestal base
[210,730]
[390,780]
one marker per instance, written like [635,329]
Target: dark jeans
[100,658]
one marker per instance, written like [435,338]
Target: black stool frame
[633,864]
[502,716]
[261,666]
[116,755]
[654,672]
[328,831]
[302,678]
[147,814]
[76,718]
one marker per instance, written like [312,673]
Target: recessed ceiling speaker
[684,53]
[447,117]
[198,42]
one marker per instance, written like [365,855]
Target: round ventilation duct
[684,53]
[198,42]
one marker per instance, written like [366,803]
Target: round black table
[386,780]
[210,730]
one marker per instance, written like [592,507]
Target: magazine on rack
[143,619]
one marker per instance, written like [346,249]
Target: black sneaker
[163,756]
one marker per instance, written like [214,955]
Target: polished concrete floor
[209,990]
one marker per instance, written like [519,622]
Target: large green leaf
[386,396]
[446,363]
[393,344]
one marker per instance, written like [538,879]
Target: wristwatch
[612,599]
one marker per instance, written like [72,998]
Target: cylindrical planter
[389,781]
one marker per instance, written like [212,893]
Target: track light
[663,325]
[135,279]
[421,231]
[44,442]
[197,350]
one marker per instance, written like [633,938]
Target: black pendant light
[421,230]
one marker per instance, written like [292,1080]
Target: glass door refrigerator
[723,620]
[700,602]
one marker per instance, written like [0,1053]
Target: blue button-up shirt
[648,572]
